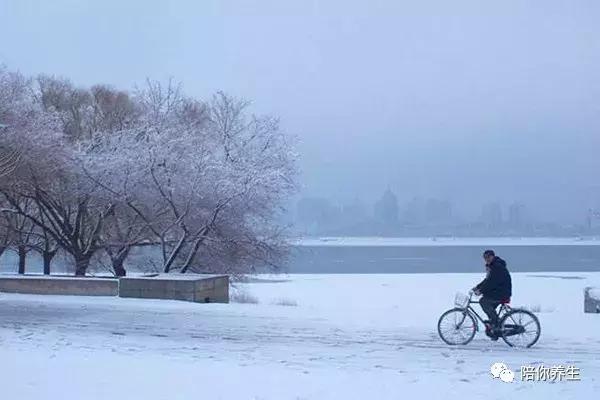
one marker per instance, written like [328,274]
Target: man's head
[489,256]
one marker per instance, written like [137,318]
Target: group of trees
[98,172]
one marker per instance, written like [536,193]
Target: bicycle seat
[505,301]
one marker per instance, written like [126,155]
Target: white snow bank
[52,277]
[170,277]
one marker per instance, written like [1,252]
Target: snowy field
[307,337]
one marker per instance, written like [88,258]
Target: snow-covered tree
[205,179]
[49,179]
[103,170]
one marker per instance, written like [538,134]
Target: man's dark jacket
[497,284]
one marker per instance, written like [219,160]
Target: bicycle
[517,327]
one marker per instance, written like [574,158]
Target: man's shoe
[490,331]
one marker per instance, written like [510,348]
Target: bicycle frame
[504,308]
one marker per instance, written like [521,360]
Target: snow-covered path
[358,336]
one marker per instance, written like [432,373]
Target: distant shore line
[366,241]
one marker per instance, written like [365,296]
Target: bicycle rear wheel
[520,328]
[457,326]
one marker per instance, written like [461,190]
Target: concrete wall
[189,287]
[591,302]
[59,285]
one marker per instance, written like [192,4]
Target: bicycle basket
[461,300]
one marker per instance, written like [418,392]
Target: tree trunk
[194,251]
[118,260]
[119,270]
[81,265]
[117,264]
[47,256]
[22,257]
[174,253]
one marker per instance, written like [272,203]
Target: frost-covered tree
[13,95]
[9,160]
[205,179]
[103,170]
[49,179]
[65,204]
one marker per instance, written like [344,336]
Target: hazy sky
[465,100]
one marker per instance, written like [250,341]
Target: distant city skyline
[388,216]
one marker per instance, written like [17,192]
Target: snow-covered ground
[308,337]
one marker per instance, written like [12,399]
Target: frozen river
[414,255]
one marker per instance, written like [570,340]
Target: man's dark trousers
[489,307]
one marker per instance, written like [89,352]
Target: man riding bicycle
[495,289]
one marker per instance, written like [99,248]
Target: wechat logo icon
[502,372]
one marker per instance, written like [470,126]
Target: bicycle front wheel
[456,326]
[520,328]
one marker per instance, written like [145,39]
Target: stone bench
[59,285]
[591,300]
[199,288]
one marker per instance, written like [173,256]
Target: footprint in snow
[26,336]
